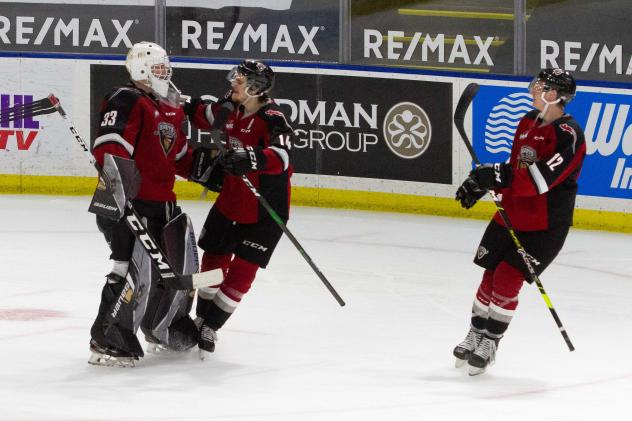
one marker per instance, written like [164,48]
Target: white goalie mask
[148,63]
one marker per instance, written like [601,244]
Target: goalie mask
[258,77]
[558,80]
[148,64]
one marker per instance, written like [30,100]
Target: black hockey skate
[463,350]
[483,356]
[110,357]
[208,339]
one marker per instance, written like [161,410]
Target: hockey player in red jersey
[239,236]
[137,122]
[538,187]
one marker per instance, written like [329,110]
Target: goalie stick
[133,220]
[222,115]
[459,116]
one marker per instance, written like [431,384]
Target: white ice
[290,352]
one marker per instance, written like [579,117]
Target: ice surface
[291,353]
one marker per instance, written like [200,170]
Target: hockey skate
[463,350]
[483,356]
[109,357]
[208,339]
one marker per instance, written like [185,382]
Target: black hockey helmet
[558,79]
[259,76]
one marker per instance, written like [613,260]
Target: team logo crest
[167,134]
[528,156]
[235,143]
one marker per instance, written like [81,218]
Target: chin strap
[546,106]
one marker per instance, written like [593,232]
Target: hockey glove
[241,161]
[206,170]
[469,193]
[492,176]
[191,105]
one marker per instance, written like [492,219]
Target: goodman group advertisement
[345,125]
[607,123]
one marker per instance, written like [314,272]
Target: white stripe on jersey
[283,155]
[116,138]
[538,178]
[209,114]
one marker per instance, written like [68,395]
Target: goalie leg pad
[112,329]
[167,321]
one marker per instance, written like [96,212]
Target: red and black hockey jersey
[132,124]
[267,129]
[546,162]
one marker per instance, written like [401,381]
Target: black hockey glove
[206,169]
[241,161]
[469,193]
[192,104]
[492,176]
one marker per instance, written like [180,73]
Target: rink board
[347,121]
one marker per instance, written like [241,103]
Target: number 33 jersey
[135,125]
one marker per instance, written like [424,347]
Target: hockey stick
[223,113]
[459,116]
[133,220]
[31,109]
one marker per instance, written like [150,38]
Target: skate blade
[204,354]
[475,371]
[105,360]
[458,363]
[158,349]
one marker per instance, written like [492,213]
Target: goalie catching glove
[206,170]
[481,179]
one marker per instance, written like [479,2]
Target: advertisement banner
[595,44]
[607,123]
[425,37]
[74,28]
[346,125]
[41,145]
[277,29]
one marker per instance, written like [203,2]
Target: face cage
[235,73]
[161,70]
[539,85]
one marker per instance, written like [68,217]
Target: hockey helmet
[557,79]
[258,75]
[148,63]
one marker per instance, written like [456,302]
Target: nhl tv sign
[606,120]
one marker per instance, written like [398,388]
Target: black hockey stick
[132,218]
[31,109]
[223,113]
[459,116]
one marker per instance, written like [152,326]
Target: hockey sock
[504,300]
[205,295]
[480,307]
[237,282]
